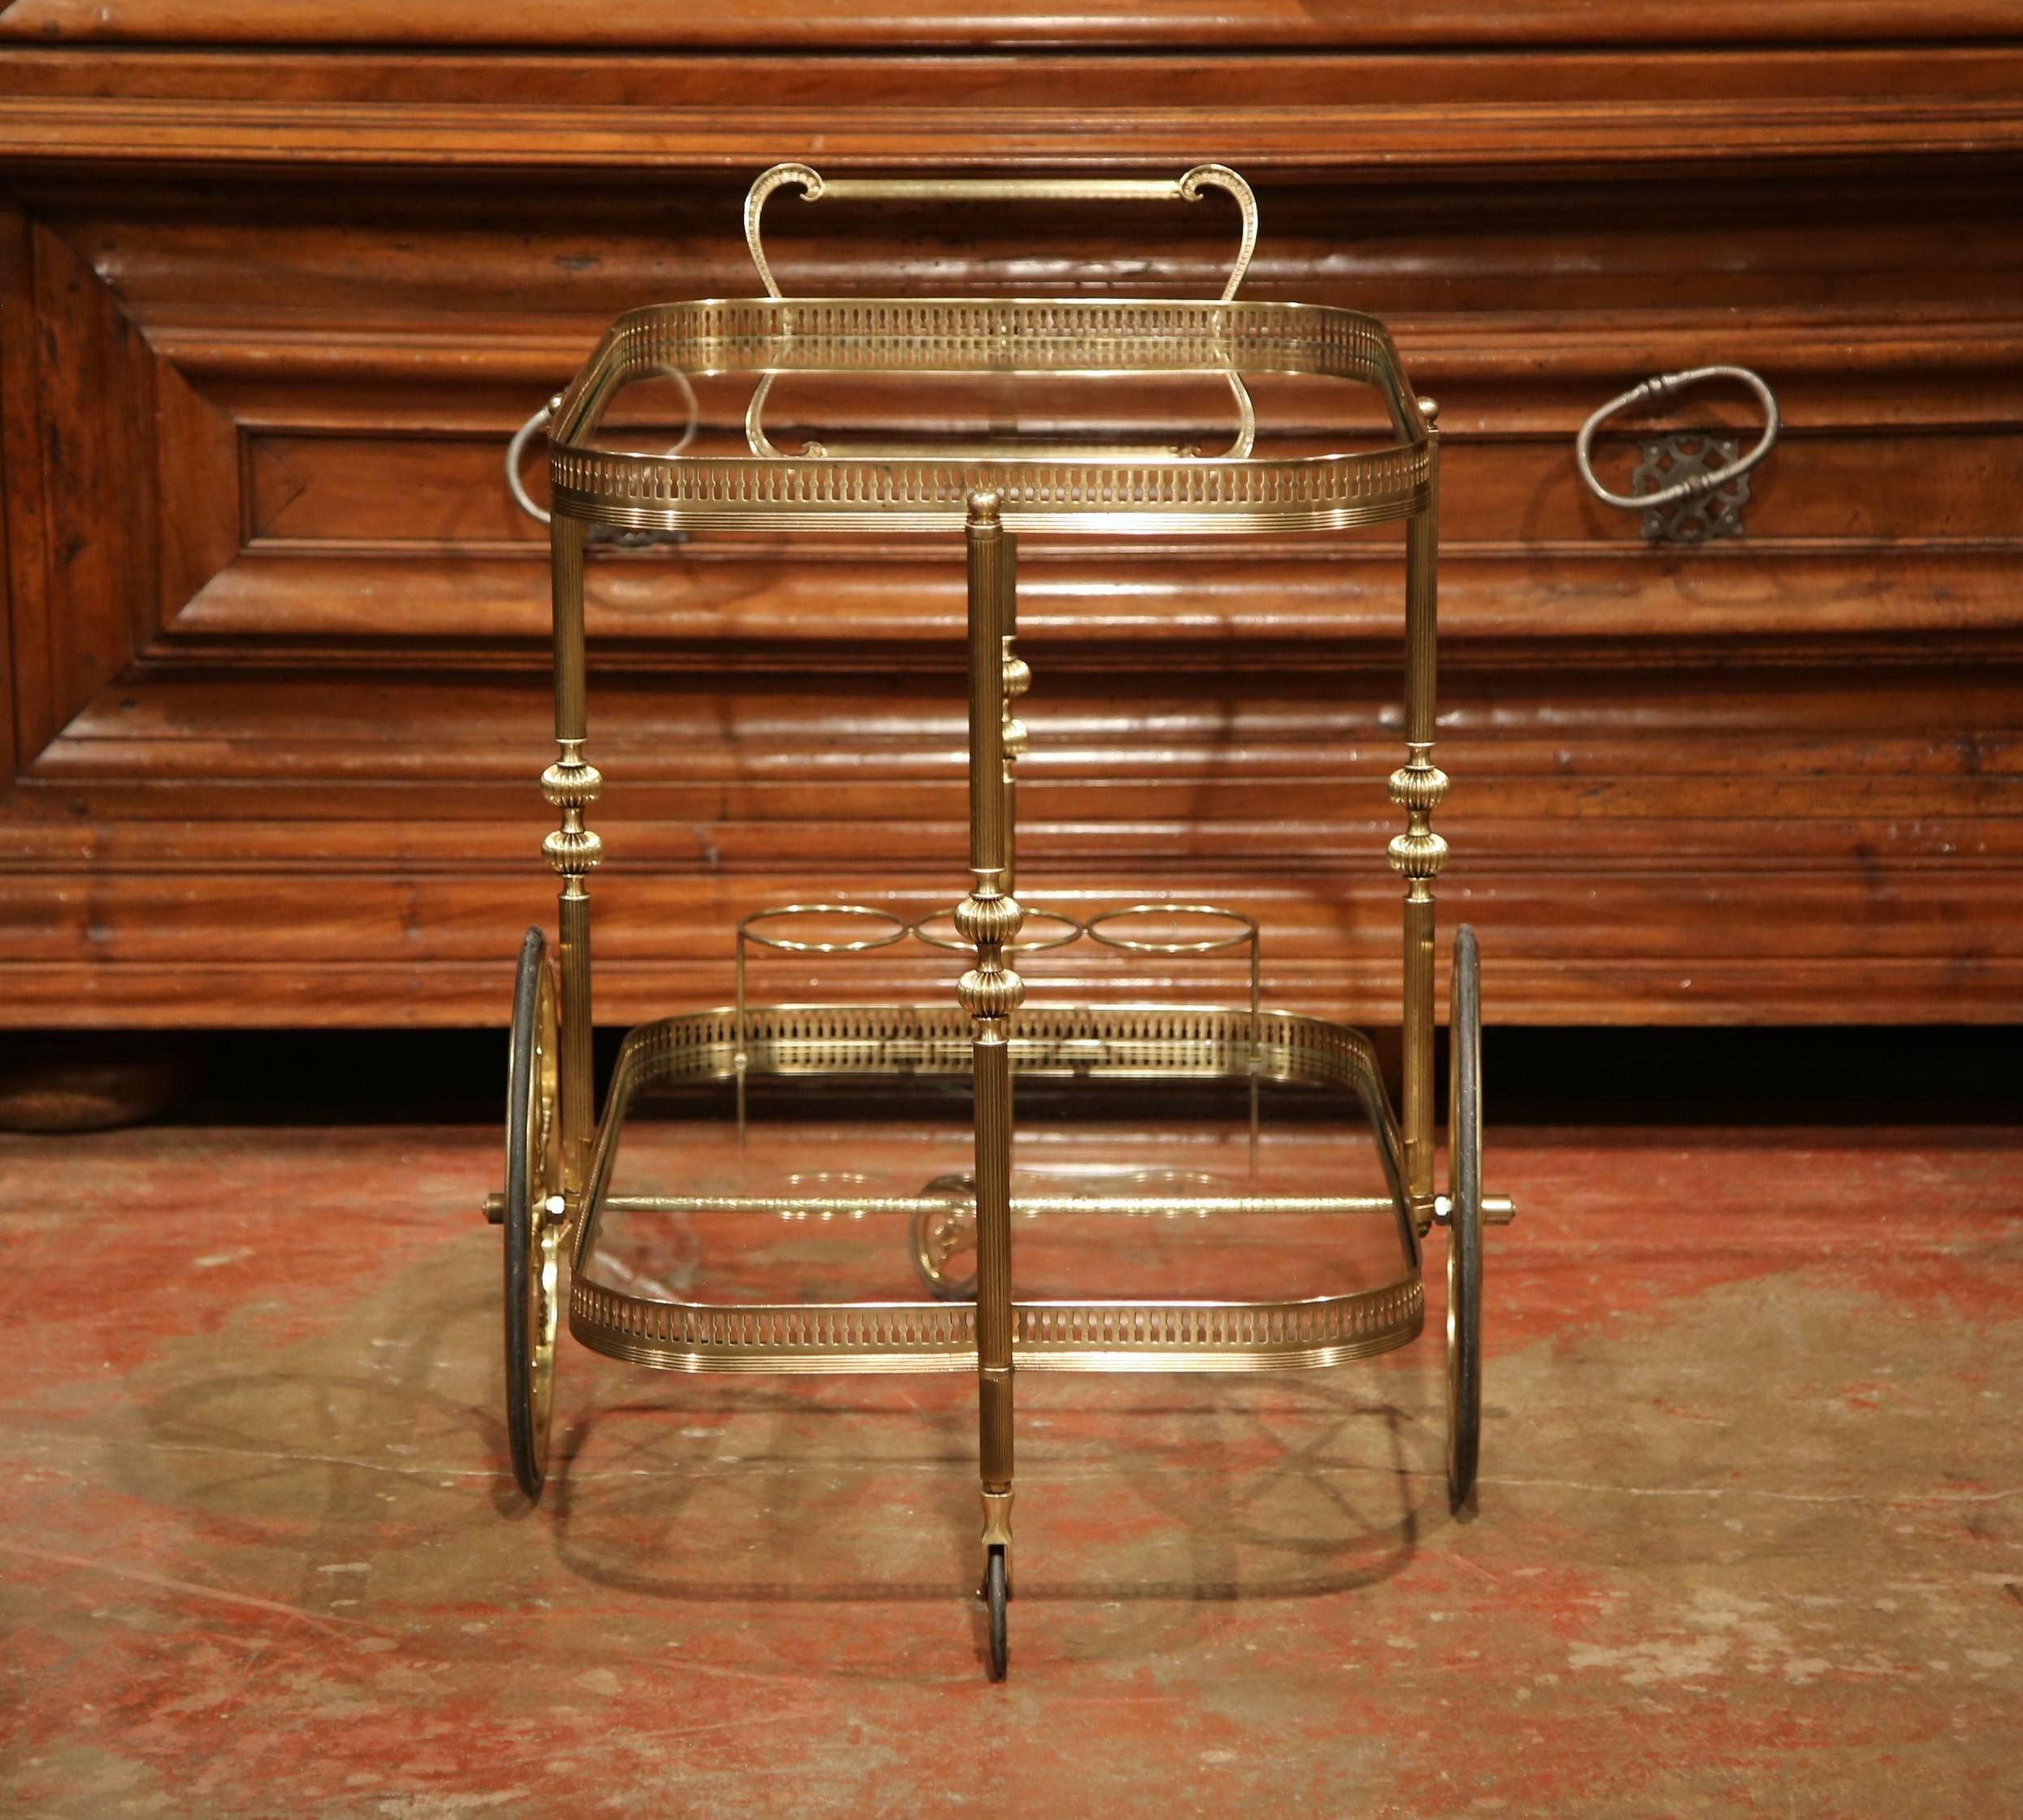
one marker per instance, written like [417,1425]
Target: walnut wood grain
[1226,25]
[1571,137]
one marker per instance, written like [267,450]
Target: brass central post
[1018,680]
[991,992]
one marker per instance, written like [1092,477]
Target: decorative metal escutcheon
[1691,486]
[1691,455]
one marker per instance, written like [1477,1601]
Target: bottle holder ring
[897,928]
[1101,929]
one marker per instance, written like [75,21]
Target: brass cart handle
[1186,188]
[1660,390]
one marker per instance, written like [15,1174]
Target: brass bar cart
[560,1153]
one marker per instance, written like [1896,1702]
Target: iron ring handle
[516,453]
[1186,188]
[1660,390]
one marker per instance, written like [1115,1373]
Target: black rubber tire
[997,1595]
[531,1148]
[1465,1222]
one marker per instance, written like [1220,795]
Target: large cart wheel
[997,1595]
[1464,1222]
[532,1214]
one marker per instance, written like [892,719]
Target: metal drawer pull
[1700,480]
[515,454]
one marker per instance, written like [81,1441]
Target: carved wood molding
[1461,138]
[812,24]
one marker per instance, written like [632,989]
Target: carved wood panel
[277,661]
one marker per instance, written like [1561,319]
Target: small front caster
[997,1595]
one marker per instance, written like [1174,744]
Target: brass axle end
[1498,1210]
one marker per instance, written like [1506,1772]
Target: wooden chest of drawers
[276,285]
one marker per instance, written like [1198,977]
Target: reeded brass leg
[1418,853]
[991,992]
[572,784]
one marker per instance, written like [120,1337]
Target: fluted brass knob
[1421,788]
[1417,854]
[573,850]
[572,784]
[989,918]
[991,992]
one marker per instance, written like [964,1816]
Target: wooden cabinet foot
[87,1081]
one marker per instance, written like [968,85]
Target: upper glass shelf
[1081,415]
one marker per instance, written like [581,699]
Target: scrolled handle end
[1220,176]
[777,177]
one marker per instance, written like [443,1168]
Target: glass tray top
[1081,415]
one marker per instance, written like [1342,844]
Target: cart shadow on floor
[1127,1492]
[1202,1492]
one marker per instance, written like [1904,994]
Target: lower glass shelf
[1139,1155]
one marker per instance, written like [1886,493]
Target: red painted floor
[1750,1537]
